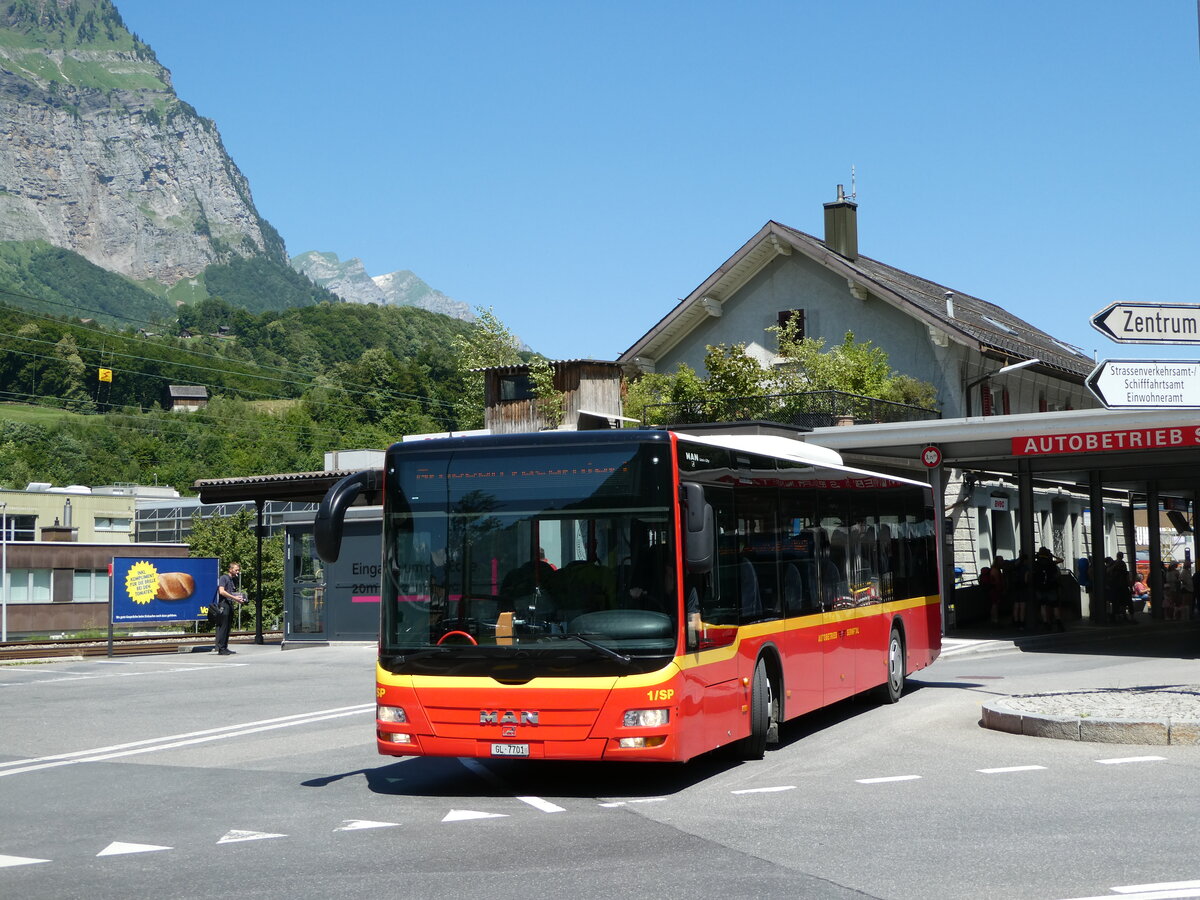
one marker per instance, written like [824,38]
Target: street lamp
[1003,370]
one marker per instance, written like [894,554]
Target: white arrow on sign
[1146,383]
[1150,323]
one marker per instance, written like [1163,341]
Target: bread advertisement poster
[162,589]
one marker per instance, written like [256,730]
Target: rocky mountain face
[99,156]
[350,281]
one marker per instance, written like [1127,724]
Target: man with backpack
[1045,588]
[227,595]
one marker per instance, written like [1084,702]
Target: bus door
[838,625]
[711,663]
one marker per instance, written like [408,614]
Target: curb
[1151,731]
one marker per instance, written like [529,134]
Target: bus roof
[770,445]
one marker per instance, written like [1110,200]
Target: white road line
[483,772]
[766,790]
[174,741]
[68,676]
[889,778]
[1148,895]
[1007,769]
[613,804]
[1130,759]
[544,805]
[1162,886]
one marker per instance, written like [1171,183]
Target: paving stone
[1152,715]
[1123,731]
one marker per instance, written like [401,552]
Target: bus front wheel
[891,689]
[761,705]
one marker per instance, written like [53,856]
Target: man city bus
[636,594]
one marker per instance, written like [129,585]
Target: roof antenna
[853,187]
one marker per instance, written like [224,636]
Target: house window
[90,586]
[28,585]
[113,523]
[19,528]
[786,315]
[516,387]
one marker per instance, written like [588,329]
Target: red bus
[636,594]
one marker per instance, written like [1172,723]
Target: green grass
[36,415]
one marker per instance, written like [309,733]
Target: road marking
[465,815]
[6,861]
[1163,886]
[1155,892]
[362,824]
[68,676]
[119,848]
[483,772]
[889,778]
[544,805]
[236,836]
[1130,759]
[613,804]
[151,745]
[1007,769]
[766,790]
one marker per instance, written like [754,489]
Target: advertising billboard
[163,589]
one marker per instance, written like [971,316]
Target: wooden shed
[591,397]
[187,397]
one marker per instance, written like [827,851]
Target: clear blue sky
[581,166]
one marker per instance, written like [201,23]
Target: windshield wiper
[595,645]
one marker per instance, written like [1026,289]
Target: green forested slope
[285,387]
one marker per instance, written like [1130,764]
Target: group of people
[1013,581]
[1130,593]
[1010,582]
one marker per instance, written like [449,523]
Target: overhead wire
[251,428]
[107,333]
[401,396]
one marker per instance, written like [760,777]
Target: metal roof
[967,320]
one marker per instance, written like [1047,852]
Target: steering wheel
[460,634]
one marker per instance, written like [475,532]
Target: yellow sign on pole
[106,374]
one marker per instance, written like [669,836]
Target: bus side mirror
[331,514]
[699,530]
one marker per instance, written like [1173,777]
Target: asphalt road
[255,776]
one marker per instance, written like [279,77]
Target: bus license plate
[510,749]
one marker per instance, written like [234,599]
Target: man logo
[507,717]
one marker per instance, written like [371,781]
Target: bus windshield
[520,562]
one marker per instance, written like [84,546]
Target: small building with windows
[589,396]
[56,544]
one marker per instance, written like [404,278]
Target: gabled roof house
[957,342]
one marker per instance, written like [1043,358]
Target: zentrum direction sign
[1146,383]
[1150,323]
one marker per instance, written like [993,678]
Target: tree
[488,344]
[233,540]
[738,386]
[652,389]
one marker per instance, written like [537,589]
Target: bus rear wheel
[891,689]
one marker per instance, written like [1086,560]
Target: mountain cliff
[350,281]
[99,156]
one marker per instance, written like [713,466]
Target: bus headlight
[390,714]
[647,718]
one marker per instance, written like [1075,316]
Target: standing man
[227,595]
[1045,588]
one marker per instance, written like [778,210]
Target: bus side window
[719,590]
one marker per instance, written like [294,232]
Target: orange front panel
[558,718]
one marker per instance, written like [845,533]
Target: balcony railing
[814,409]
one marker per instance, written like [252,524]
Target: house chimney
[841,225]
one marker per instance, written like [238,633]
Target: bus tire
[893,687]
[755,746]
